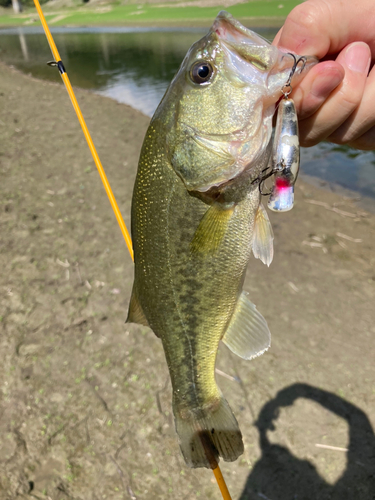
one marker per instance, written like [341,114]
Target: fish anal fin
[248,335]
[262,242]
[135,313]
[211,229]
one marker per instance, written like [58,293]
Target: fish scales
[191,301]
[191,288]
[194,209]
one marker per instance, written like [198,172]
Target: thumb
[321,27]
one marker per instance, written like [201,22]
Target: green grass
[149,14]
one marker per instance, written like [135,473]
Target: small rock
[28,349]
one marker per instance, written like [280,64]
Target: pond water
[135,66]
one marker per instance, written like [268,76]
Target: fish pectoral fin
[135,313]
[248,335]
[262,242]
[211,229]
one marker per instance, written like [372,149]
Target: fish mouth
[250,46]
[268,65]
[228,28]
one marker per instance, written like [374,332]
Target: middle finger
[355,59]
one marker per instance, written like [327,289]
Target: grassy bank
[268,13]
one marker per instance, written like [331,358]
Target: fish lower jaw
[246,168]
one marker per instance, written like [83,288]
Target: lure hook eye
[287,90]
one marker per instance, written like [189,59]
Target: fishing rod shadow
[279,475]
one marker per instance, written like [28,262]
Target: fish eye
[201,72]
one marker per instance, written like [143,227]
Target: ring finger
[354,130]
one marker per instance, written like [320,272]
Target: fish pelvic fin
[247,335]
[207,434]
[262,242]
[135,313]
[211,229]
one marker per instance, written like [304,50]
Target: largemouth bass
[196,217]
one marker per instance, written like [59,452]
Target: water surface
[135,65]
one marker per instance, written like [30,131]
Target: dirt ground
[85,400]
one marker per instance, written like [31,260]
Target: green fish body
[196,218]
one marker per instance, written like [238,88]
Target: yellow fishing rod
[90,143]
[58,62]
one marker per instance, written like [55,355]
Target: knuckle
[307,15]
[307,141]
[310,105]
[337,140]
[365,142]
[343,135]
[348,99]
[353,140]
[299,98]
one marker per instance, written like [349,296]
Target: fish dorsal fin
[263,237]
[211,229]
[135,313]
[248,335]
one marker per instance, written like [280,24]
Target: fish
[196,218]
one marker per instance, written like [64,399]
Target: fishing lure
[286,151]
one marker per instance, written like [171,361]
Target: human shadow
[279,475]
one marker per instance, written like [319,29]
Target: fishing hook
[291,74]
[262,178]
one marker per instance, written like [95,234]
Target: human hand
[336,99]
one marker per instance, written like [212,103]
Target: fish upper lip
[225,24]
[224,20]
[247,53]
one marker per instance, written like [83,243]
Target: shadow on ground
[279,475]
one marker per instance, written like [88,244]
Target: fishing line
[59,64]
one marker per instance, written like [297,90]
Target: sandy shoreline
[85,407]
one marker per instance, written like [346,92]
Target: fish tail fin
[207,434]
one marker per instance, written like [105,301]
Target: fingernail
[357,57]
